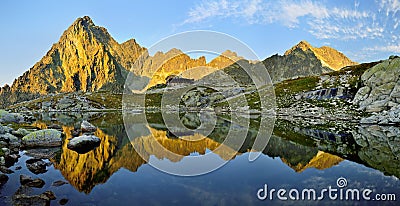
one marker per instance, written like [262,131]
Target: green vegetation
[106,99]
[295,86]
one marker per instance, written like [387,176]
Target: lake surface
[296,158]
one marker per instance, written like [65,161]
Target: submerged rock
[30,182]
[43,138]
[87,127]
[28,200]
[59,183]
[36,166]
[3,179]
[83,144]
[63,201]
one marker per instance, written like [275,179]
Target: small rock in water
[63,201]
[87,127]
[50,195]
[36,166]
[28,181]
[59,183]
[83,144]
[23,199]
[18,167]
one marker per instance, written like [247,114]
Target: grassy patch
[106,99]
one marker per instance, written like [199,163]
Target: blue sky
[364,30]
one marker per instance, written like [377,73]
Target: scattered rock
[36,166]
[83,144]
[28,200]
[28,181]
[87,127]
[43,138]
[59,183]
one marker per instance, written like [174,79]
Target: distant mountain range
[88,59]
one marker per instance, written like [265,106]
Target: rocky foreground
[17,135]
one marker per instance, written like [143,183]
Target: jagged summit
[86,58]
[303,45]
[328,56]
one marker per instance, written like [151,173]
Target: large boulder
[6,117]
[83,144]
[380,94]
[43,138]
[381,87]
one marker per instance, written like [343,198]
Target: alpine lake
[114,173]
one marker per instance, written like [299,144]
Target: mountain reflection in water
[304,151]
[85,171]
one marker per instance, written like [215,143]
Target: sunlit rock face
[86,58]
[175,62]
[328,56]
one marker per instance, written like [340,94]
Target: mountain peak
[328,56]
[303,45]
[85,22]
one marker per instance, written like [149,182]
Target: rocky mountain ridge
[88,59]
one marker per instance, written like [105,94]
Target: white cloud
[324,22]
[388,48]
[390,7]
[379,23]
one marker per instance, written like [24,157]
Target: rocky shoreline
[40,144]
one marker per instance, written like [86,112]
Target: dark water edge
[114,174]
